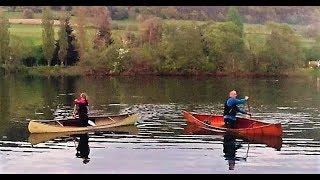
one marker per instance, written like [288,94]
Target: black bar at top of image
[159,2]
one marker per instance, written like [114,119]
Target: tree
[225,45]
[28,13]
[118,13]
[181,50]
[255,44]
[313,53]
[150,30]
[102,19]
[63,40]
[283,50]
[234,17]
[82,42]
[72,53]
[21,50]
[4,39]
[169,12]
[47,35]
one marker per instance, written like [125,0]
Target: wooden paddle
[249,109]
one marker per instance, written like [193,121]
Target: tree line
[160,47]
[250,14]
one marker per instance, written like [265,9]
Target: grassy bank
[55,71]
[86,71]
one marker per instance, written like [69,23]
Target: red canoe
[243,126]
[270,141]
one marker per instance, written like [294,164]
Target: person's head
[83,95]
[232,163]
[233,94]
[86,160]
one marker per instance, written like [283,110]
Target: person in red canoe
[231,108]
[81,109]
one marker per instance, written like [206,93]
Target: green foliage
[225,45]
[234,17]
[63,40]
[82,41]
[20,50]
[48,71]
[28,14]
[37,54]
[145,52]
[4,39]
[314,72]
[312,53]
[103,36]
[255,45]
[283,51]
[119,13]
[181,50]
[114,58]
[150,30]
[169,13]
[48,35]
[122,58]
[181,46]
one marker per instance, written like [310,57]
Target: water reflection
[160,102]
[318,84]
[83,149]
[230,146]
[81,139]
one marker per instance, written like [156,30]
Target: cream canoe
[72,125]
[36,138]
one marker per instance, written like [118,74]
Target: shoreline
[46,71]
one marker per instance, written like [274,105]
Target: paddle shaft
[249,109]
[74,110]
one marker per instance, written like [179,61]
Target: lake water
[161,142]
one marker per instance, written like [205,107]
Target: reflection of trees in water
[66,86]
[4,104]
[318,84]
[49,94]
[83,149]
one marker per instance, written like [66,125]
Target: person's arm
[75,111]
[241,111]
[234,101]
[240,101]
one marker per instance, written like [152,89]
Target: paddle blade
[91,123]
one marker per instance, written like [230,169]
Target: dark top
[82,108]
[231,108]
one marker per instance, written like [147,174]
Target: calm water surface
[161,142]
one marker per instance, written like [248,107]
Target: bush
[28,14]
[119,14]
[37,53]
[29,61]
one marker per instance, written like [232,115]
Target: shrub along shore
[85,41]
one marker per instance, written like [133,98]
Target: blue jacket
[231,108]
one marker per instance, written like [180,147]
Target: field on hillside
[30,33]
[18,14]
[33,33]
